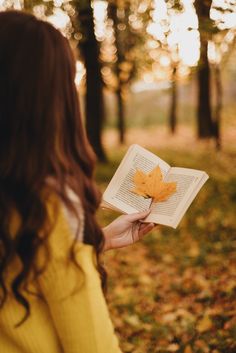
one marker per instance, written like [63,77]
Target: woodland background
[162,74]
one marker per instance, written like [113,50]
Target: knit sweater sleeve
[74,296]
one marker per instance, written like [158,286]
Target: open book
[120,197]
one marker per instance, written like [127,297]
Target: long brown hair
[41,136]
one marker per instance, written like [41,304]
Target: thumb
[138,216]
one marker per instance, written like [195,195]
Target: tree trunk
[204,112]
[219,105]
[173,105]
[94,105]
[112,13]
[121,116]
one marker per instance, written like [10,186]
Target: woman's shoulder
[66,222]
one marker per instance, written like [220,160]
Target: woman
[50,272]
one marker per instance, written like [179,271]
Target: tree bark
[204,111]
[112,13]
[219,105]
[121,116]
[94,104]
[173,105]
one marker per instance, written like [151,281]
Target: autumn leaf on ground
[152,185]
[188,349]
[204,324]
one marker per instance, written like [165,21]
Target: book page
[190,199]
[170,211]
[119,191]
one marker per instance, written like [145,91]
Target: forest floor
[176,290]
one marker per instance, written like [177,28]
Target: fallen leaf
[204,324]
[168,258]
[173,347]
[194,250]
[201,345]
[169,317]
[188,349]
[133,320]
[152,185]
[129,347]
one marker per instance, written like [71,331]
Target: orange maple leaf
[152,185]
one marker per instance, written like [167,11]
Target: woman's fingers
[139,230]
[145,228]
[137,216]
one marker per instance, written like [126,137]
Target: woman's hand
[126,230]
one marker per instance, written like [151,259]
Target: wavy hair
[41,136]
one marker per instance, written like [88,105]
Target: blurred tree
[209,119]
[89,48]
[120,58]
[224,43]
[128,20]
[83,25]
[170,49]
[204,112]
[174,99]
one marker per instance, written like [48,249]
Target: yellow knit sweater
[73,317]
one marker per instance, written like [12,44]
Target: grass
[176,290]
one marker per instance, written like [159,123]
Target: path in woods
[159,137]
